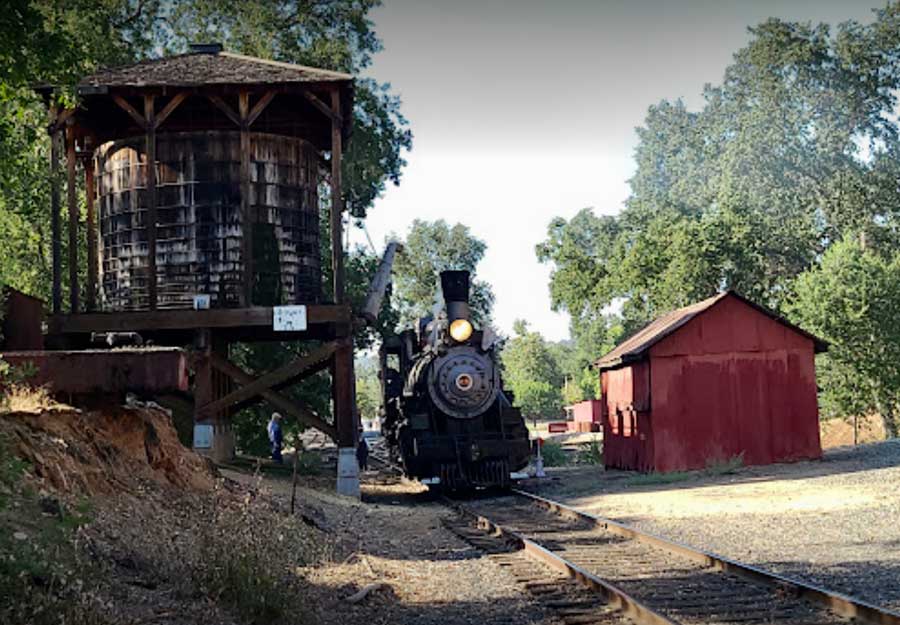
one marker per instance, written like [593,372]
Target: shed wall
[733,381]
[628,438]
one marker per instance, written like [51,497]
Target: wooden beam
[259,107]
[290,407]
[60,120]
[324,108]
[346,419]
[55,225]
[169,108]
[292,372]
[223,106]
[89,193]
[379,284]
[247,219]
[151,218]
[140,321]
[72,197]
[125,106]
[337,201]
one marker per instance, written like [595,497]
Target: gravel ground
[395,537]
[834,522]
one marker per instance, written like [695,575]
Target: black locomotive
[446,417]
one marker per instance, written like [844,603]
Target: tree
[796,149]
[851,300]
[430,248]
[532,373]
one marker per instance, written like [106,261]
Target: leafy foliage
[532,373]
[851,300]
[429,248]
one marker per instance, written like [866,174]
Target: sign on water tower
[289,318]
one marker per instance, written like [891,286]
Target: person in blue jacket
[276,438]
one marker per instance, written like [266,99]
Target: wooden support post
[89,192]
[151,218]
[345,417]
[72,197]
[55,226]
[337,200]
[208,386]
[247,219]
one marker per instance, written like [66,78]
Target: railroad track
[644,578]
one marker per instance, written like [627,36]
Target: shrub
[553,454]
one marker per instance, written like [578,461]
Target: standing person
[362,453]
[276,438]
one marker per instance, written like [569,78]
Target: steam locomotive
[446,418]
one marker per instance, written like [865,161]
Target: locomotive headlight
[460,330]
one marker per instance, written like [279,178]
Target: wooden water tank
[199,224]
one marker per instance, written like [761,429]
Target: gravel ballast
[834,522]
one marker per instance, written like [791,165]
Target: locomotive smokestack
[455,287]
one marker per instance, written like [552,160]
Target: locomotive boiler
[446,418]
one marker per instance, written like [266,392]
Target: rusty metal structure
[720,378]
[203,173]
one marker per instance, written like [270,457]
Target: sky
[525,110]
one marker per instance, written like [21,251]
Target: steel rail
[840,604]
[615,596]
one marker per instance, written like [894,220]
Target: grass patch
[651,479]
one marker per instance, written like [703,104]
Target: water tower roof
[209,67]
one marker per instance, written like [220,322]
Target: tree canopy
[532,372]
[430,248]
[796,150]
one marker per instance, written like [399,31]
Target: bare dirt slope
[833,522]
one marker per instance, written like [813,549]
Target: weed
[724,467]
[590,452]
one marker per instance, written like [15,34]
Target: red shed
[707,382]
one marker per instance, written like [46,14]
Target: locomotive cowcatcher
[446,418]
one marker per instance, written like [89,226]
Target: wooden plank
[225,108]
[246,217]
[337,201]
[379,284]
[291,372]
[150,172]
[281,403]
[126,106]
[89,192]
[169,108]
[323,108]
[257,316]
[72,197]
[259,107]
[55,226]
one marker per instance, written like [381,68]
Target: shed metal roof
[209,67]
[636,346]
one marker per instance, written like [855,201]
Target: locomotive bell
[455,287]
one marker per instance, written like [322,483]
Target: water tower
[203,174]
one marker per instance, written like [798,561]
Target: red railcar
[704,383]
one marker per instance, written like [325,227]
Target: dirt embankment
[104,451]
